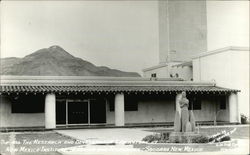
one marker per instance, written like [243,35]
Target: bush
[243,119]
[200,139]
[226,138]
[158,138]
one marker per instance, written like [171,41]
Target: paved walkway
[123,135]
[118,135]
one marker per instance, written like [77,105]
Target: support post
[233,108]
[119,109]
[50,111]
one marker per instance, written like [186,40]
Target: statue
[184,103]
[184,122]
[184,119]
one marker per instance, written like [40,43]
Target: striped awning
[76,89]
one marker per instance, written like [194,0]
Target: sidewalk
[120,136]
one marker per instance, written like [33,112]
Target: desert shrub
[243,119]
[150,138]
[200,139]
[158,138]
[226,138]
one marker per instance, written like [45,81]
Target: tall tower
[182,29]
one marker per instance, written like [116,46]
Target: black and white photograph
[127,77]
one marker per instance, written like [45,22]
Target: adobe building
[228,67]
[58,101]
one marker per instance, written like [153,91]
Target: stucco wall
[148,112]
[187,29]
[8,119]
[228,69]
[160,72]
[184,72]
[164,111]
[223,115]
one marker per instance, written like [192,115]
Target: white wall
[148,112]
[164,111]
[161,72]
[184,72]
[230,69]
[8,119]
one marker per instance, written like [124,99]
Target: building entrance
[80,112]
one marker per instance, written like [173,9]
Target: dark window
[28,104]
[194,103]
[177,75]
[222,101]
[153,75]
[131,103]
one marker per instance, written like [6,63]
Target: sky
[227,24]
[118,34]
[122,35]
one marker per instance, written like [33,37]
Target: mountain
[55,61]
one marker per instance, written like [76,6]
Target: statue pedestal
[182,137]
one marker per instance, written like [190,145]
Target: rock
[192,120]
[177,122]
[188,127]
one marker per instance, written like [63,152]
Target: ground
[50,141]
[29,143]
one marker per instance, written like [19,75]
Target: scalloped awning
[94,89]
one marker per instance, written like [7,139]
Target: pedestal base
[182,137]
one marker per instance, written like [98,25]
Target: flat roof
[234,48]
[186,63]
[155,67]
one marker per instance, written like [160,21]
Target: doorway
[80,112]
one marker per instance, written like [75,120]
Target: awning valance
[76,89]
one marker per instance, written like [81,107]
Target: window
[131,103]
[194,103]
[28,104]
[222,101]
[153,75]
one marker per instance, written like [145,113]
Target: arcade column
[119,109]
[50,111]
[233,108]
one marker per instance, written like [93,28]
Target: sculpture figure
[184,122]
[184,103]
[184,119]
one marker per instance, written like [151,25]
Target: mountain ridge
[55,61]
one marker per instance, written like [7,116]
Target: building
[52,102]
[182,70]
[182,29]
[229,68]
[216,33]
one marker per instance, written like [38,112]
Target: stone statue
[184,119]
[184,122]
[184,103]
